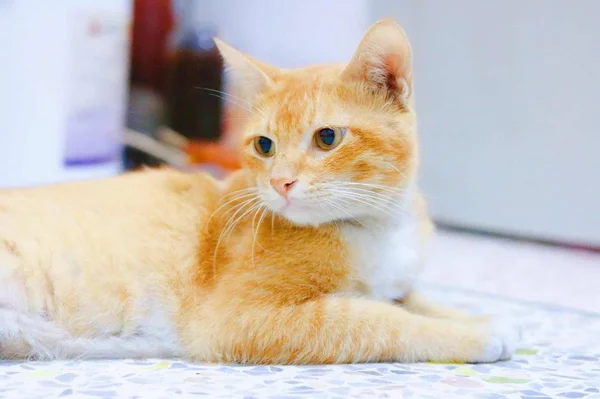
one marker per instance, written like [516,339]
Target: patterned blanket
[559,357]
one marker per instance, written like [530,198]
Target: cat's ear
[249,76]
[383,59]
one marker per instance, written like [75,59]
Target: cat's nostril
[282,186]
[289,185]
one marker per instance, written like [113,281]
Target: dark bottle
[152,25]
[194,83]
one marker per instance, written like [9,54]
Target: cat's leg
[415,302]
[337,329]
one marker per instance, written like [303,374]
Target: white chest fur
[385,257]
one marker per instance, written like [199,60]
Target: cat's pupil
[327,136]
[265,144]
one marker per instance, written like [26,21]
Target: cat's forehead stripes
[292,106]
[298,105]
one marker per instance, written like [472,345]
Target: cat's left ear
[383,59]
[249,76]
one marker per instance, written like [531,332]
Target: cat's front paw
[499,342]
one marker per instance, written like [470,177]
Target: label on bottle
[98,88]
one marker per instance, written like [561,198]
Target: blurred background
[506,92]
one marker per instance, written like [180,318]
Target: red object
[202,152]
[152,23]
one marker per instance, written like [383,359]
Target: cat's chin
[304,217]
[303,214]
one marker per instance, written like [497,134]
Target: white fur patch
[385,257]
[25,335]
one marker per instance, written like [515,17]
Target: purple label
[93,137]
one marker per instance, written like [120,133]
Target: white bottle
[63,89]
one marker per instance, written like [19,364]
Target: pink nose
[283,186]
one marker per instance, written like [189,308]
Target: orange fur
[239,275]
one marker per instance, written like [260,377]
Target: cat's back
[130,208]
[137,190]
[87,247]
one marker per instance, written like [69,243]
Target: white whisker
[333,219]
[272,222]
[251,189]
[232,208]
[339,207]
[370,201]
[240,102]
[229,226]
[264,210]
[371,186]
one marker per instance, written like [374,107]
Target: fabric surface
[559,357]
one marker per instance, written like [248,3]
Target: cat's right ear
[383,60]
[249,76]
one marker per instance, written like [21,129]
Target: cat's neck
[384,254]
[394,216]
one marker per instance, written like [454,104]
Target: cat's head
[331,142]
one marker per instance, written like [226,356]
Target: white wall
[287,33]
[508,97]
[506,90]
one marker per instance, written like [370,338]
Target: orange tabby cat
[307,255]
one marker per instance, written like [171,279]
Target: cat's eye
[264,146]
[328,138]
